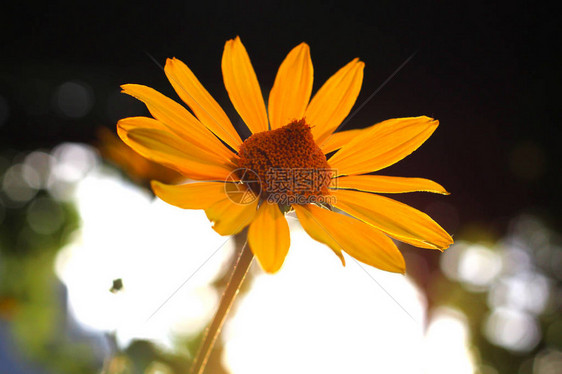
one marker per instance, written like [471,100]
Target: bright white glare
[512,329]
[74,99]
[73,161]
[478,266]
[153,248]
[326,318]
[445,348]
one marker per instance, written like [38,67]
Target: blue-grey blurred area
[489,72]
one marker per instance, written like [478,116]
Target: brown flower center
[285,163]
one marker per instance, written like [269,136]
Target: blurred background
[98,276]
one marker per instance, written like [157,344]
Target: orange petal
[382,145]
[242,85]
[359,240]
[229,217]
[177,119]
[134,123]
[268,237]
[384,184]
[338,140]
[292,88]
[151,139]
[334,100]
[394,218]
[207,110]
[191,195]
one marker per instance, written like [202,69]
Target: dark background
[489,72]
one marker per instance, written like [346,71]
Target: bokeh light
[479,266]
[72,162]
[45,216]
[41,163]
[18,182]
[512,329]
[548,361]
[74,99]
[526,291]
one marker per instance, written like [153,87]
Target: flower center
[285,165]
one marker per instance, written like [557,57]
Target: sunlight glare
[153,247]
[446,344]
[326,317]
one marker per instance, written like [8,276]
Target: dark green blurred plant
[32,299]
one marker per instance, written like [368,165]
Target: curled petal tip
[357,63]
[169,62]
[236,39]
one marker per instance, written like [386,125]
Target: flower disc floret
[287,162]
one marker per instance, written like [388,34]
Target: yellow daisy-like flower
[283,166]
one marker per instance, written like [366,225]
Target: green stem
[238,274]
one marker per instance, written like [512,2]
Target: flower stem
[238,274]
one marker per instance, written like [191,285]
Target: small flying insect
[116,286]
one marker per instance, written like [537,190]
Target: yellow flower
[282,167]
